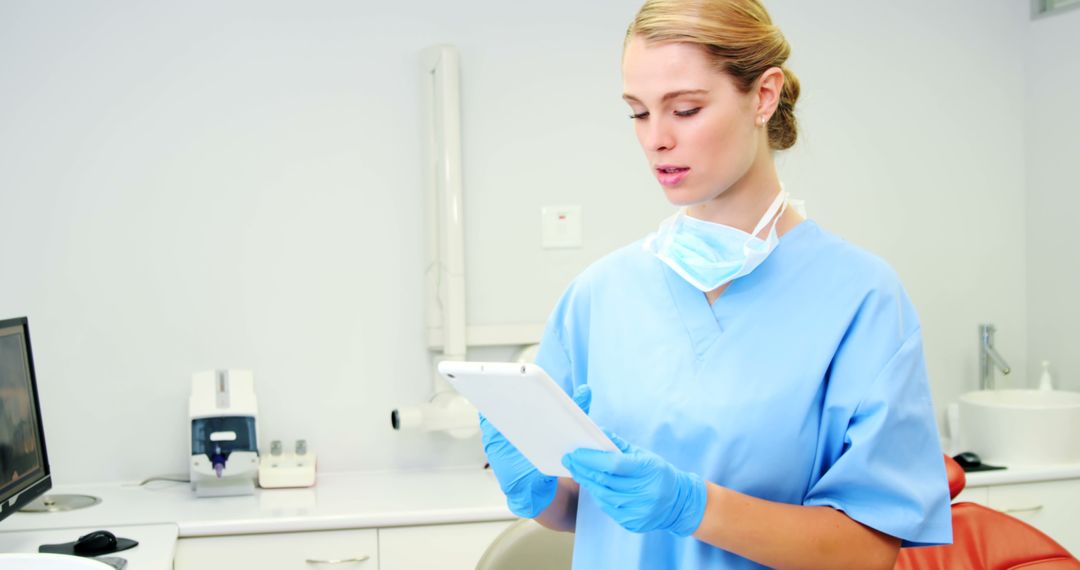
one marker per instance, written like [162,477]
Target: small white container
[1045,381]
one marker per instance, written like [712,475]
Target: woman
[764,379]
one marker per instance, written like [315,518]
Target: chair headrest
[957,479]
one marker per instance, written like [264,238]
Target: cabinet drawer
[1049,506]
[344,549]
[446,547]
[978,495]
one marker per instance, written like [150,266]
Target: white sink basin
[1022,427]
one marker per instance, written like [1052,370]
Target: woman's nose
[659,137]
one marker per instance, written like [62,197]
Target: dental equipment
[224,455]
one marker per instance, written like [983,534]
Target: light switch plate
[561,227]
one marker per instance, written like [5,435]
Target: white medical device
[287,467]
[526,405]
[224,451]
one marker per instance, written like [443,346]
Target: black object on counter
[91,544]
[970,462]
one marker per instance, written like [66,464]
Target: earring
[761,121]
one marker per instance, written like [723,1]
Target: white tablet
[529,408]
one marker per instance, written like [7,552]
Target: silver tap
[989,357]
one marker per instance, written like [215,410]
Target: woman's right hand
[528,491]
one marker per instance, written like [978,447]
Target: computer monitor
[24,466]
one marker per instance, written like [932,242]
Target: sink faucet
[989,357]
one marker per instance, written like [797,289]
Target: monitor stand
[59,503]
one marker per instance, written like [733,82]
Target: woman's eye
[687,112]
[640,115]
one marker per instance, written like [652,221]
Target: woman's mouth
[670,175]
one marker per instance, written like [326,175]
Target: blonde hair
[740,39]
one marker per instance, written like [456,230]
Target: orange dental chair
[985,539]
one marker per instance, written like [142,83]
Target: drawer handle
[340,561]
[1034,509]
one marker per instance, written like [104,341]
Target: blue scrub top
[804,383]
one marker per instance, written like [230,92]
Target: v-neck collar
[695,311]
[700,317]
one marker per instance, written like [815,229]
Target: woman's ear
[769,86]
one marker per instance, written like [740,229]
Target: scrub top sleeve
[890,474]
[553,358]
[563,350]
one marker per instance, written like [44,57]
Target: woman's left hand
[639,489]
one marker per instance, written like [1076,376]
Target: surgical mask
[708,255]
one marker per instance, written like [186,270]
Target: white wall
[198,185]
[913,148]
[1053,196]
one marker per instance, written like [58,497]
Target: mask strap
[779,201]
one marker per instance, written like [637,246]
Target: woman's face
[698,131]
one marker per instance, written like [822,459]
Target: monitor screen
[24,466]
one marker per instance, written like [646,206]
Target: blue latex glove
[528,491]
[639,489]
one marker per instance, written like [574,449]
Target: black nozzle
[395,421]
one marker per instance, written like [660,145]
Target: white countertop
[338,501]
[1023,474]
